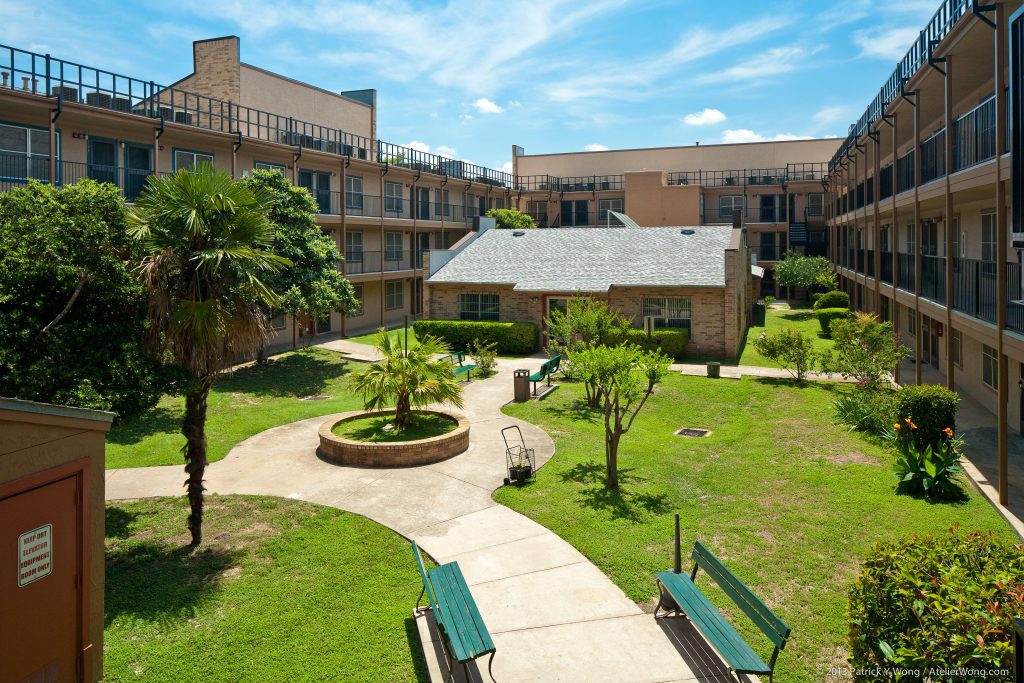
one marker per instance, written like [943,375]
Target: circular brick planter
[394,454]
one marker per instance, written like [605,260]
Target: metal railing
[359,262]
[933,157]
[905,271]
[933,278]
[771,252]
[885,182]
[974,288]
[905,172]
[751,214]
[886,267]
[974,135]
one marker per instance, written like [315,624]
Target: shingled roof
[592,259]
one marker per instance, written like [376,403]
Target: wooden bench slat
[466,629]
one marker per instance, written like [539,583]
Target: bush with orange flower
[928,470]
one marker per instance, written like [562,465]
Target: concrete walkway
[554,616]
[737,371]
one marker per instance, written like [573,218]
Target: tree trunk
[611,447]
[402,411]
[261,355]
[194,429]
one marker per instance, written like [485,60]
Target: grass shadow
[578,411]
[296,375]
[622,503]
[156,583]
[790,382]
[157,420]
[799,315]
[117,522]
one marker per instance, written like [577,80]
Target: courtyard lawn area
[788,500]
[777,318]
[370,338]
[241,404]
[279,590]
[421,426]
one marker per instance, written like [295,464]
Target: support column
[1002,248]
[894,235]
[917,239]
[343,181]
[950,235]
[877,233]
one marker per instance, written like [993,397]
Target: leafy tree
[791,349]
[205,241]
[312,284]
[625,377]
[586,322]
[802,272]
[72,315]
[407,377]
[866,349]
[511,219]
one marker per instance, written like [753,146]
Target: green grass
[241,404]
[800,319]
[788,500]
[421,426]
[370,338]
[279,590]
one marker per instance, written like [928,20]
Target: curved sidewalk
[554,616]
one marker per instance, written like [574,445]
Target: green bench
[547,368]
[456,615]
[679,593]
[459,365]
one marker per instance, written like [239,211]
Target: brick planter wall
[395,454]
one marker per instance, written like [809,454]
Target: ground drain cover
[316,398]
[690,431]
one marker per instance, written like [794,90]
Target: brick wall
[215,69]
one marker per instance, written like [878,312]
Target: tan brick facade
[216,67]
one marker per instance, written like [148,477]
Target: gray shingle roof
[592,259]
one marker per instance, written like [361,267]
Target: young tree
[866,349]
[625,377]
[205,241]
[585,323]
[72,314]
[791,349]
[312,284]
[407,377]
[802,272]
[511,219]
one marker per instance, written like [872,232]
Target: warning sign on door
[35,559]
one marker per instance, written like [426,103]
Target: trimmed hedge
[937,602]
[672,343]
[827,315]
[931,407]
[512,339]
[833,299]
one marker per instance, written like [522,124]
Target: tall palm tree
[205,241]
[407,377]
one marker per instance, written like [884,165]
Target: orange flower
[907,420]
[912,425]
[896,426]
[948,432]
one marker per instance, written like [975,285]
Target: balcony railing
[933,157]
[751,214]
[886,275]
[933,278]
[974,288]
[974,135]
[905,271]
[885,182]
[771,251]
[905,172]
[358,262]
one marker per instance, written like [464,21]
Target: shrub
[868,410]
[791,349]
[834,299]
[671,343]
[937,602]
[928,471]
[827,315]
[867,349]
[932,408]
[511,338]
[484,355]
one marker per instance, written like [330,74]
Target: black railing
[905,172]
[885,182]
[770,251]
[933,157]
[869,264]
[974,288]
[905,271]
[933,278]
[974,135]
[886,275]
[751,214]
[358,261]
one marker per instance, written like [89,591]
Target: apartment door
[319,185]
[423,247]
[792,208]
[40,552]
[423,203]
[101,154]
[929,341]
[767,208]
[138,165]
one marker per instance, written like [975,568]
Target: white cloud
[707,117]
[738,135]
[828,115]
[594,147]
[418,146]
[514,104]
[486,106]
[446,151]
[778,60]
[889,44]
[506,167]
[440,150]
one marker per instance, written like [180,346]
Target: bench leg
[490,663]
[422,592]
[535,387]
[665,602]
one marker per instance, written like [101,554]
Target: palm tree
[205,241]
[408,377]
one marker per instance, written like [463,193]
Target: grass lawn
[370,338]
[800,319]
[788,500]
[421,426]
[279,590]
[241,404]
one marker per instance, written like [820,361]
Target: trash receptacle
[713,369]
[521,385]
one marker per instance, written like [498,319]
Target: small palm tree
[408,377]
[205,241]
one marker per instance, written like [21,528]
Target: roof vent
[518,233]
[687,231]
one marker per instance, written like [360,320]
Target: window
[278,322]
[269,166]
[499,203]
[957,345]
[606,205]
[354,192]
[469,201]
[575,212]
[538,210]
[393,197]
[989,366]
[393,295]
[911,322]
[184,158]
[815,203]
[358,310]
[910,238]
[392,246]
[478,306]
[422,199]
[929,238]
[441,205]
[24,152]
[988,237]
[727,203]
[318,183]
[353,246]
[883,238]
[668,313]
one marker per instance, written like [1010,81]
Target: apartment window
[988,236]
[392,246]
[354,192]
[354,246]
[668,313]
[318,183]
[393,198]
[883,239]
[499,203]
[278,322]
[990,366]
[910,238]
[606,205]
[929,238]
[269,166]
[911,322]
[24,152]
[727,203]
[815,203]
[957,345]
[441,205]
[469,201]
[537,210]
[576,212]
[358,310]
[478,306]
[185,158]
[393,295]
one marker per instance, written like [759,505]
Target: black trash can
[521,386]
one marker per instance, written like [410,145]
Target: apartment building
[384,204]
[920,199]
[777,188]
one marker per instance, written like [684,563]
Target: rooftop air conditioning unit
[67,94]
[98,99]
[183,117]
[121,104]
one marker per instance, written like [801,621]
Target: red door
[39,555]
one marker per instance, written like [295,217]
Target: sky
[470,78]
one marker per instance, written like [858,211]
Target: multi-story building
[919,205]
[777,187]
[384,204]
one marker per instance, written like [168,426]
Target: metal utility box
[51,542]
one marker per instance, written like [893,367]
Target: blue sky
[470,78]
